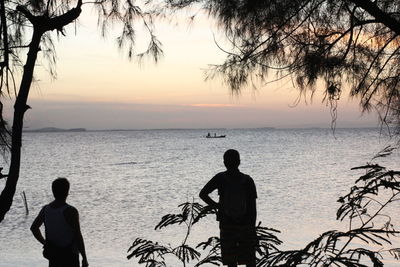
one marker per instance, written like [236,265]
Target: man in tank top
[63,240]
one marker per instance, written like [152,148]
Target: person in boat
[63,240]
[208,135]
[236,211]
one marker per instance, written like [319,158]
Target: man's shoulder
[71,209]
[69,206]
[225,174]
[220,174]
[218,177]
[247,177]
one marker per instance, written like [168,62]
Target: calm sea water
[122,182]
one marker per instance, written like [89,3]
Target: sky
[97,87]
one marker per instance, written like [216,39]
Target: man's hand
[85,263]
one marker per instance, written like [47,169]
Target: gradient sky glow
[98,88]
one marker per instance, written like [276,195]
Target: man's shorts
[238,244]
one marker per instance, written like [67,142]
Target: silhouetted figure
[236,211]
[63,239]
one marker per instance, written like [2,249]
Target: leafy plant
[366,208]
[152,254]
[370,228]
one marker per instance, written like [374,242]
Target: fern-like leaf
[186,253]
[146,250]
[170,219]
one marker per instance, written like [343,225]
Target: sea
[123,182]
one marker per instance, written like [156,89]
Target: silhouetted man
[64,240]
[236,211]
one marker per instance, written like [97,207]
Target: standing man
[63,239]
[236,211]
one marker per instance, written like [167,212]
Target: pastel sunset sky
[97,87]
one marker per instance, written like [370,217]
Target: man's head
[60,187]
[231,159]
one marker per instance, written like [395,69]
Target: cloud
[116,115]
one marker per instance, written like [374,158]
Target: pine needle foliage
[27,38]
[332,45]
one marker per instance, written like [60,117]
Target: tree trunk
[20,107]
[41,24]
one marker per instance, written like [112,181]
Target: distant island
[53,129]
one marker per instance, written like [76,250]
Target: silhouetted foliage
[26,27]
[367,241]
[370,228]
[317,43]
[152,254]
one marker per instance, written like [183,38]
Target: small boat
[215,136]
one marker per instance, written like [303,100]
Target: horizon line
[82,129]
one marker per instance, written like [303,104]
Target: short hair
[231,159]
[60,187]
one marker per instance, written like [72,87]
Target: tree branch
[44,23]
[57,23]
[380,15]
[4,35]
